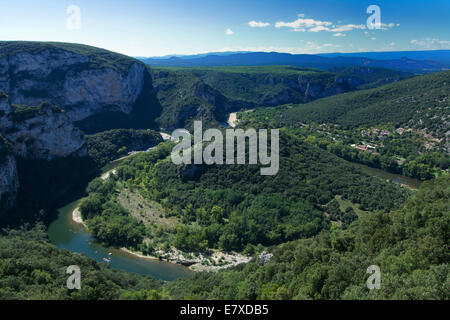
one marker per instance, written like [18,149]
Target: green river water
[67,234]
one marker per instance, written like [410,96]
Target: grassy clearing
[344,204]
[147,211]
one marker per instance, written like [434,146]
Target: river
[408,182]
[67,234]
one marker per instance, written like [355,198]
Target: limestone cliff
[46,87]
[79,79]
[42,132]
[9,181]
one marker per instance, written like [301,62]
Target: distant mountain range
[442,56]
[410,61]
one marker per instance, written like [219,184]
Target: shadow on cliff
[145,110]
[44,184]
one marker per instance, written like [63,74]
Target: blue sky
[161,27]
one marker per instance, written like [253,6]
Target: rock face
[211,95]
[5,111]
[9,184]
[75,82]
[42,132]
[309,87]
[265,257]
[46,134]
[9,180]
[45,87]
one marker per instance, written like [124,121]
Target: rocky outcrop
[45,132]
[302,88]
[49,86]
[212,96]
[9,180]
[265,257]
[5,111]
[42,132]
[80,83]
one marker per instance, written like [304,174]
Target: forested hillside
[72,109]
[109,145]
[210,93]
[419,103]
[400,127]
[233,207]
[33,269]
[410,245]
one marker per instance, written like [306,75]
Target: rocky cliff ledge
[81,80]
[9,180]
[42,132]
[46,87]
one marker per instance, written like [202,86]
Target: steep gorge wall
[49,86]
[76,83]
[9,182]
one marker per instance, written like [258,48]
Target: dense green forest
[403,129]
[233,207]
[409,244]
[323,219]
[419,103]
[210,93]
[32,268]
[109,145]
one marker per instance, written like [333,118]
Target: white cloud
[313,25]
[392,44]
[258,24]
[348,27]
[229,32]
[386,26]
[319,28]
[302,23]
[432,43]
[373,38]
